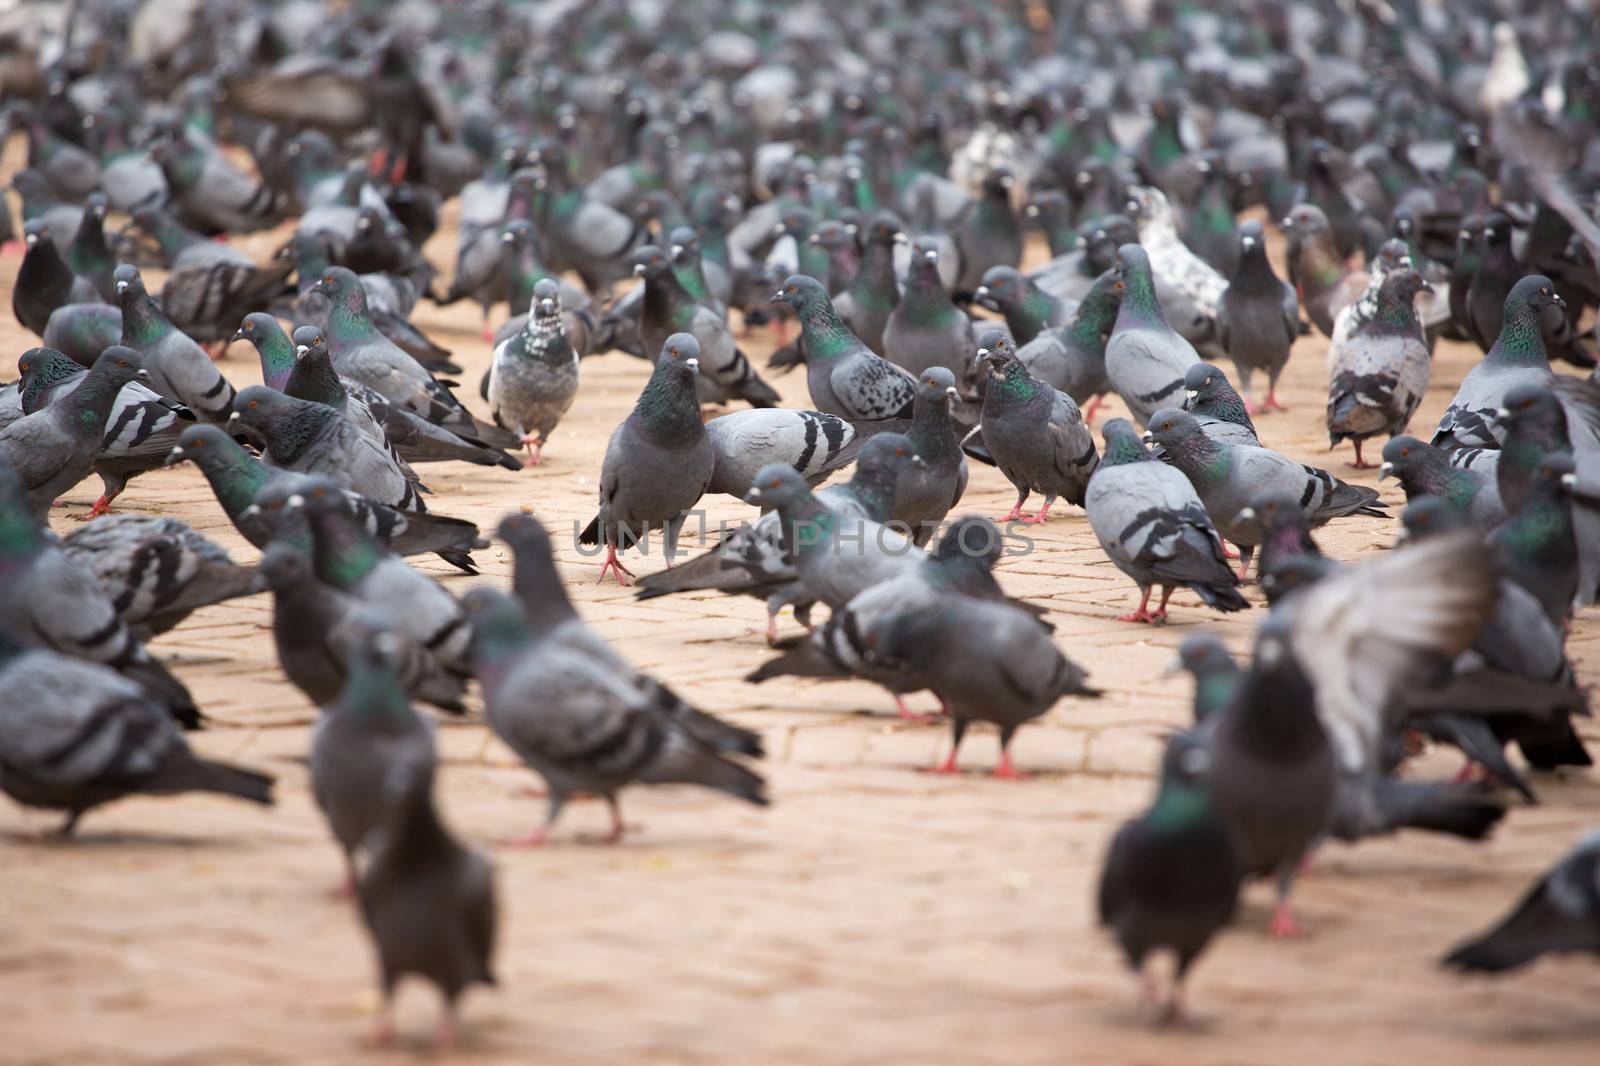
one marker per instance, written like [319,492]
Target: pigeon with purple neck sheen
[1380,372]
[1145,359]
[1516,358]
[1036,434]
[1424,470]
[1152,525]
[1211,398]
[1258,317]
[1072,357]
[1227,476]
[1290,557]
[658,463]
[926,329]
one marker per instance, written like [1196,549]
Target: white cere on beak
[1247,515]
[692,364]
[295,502]
[1569,481]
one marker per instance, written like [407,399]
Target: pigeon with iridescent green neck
[928,490]
[58,445]
[1517,358]
[526,271]
[1028,309]
[838,240]
[684,249]
[1424,470]
[82,331]
[1171,879]
[1537,546]
[44,282]
[1145,359]
[179,368]
[210,285]
[846,378]
[533,377]
[1072,357]
[1380,372]
[1216,405]
[926,329]
[139,432]
[874,291]
[89,255]
[1152,525]
[1036,434]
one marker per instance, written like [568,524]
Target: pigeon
[428,901]
[813,443]
[1145,359]
[580,726]
[312,438]
[140,430]
[157,570]
[54,600]
[1324,284]
[1217,406]
[1392,256]
[365,734]
[668,310]
[534,376]
[925,329]
[1497,272]
[210,192]
[1027,309]
[989,234]
[1227,475]
[1072,358]
[962,566]
[88,255]
[210,285]
[1171,877]
[75,735]
[364,354]
[758,560]
[1205,658]
[865,306]
[658,463]
[178,367]
[1380,373]
[1516,358]
[1560,914]
[1290,557]
[691,272]
[45,283]
[1273,774]
[846,378]
[54,448]
[1537,546]
[82,331]
[928,490]
[1258,317]
[1037,435]
[1424,470]
[1169,258]
[351,560]
[1151,524]
[236,476]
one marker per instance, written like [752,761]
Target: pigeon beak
[813,240]
[780,229]
[638,270]
[1247,515]
[931,256]
[507,237]
[176,455]
[547,308]
[1148,437]
[1556,299]
[238,335]
[950,391]
[1385,470]
[122,287]
[692,364]
[901,238]
[295,502]
[1174,668]
[919,461]
[1247,243]
[251,511]
[233,417]
[1192,395]
[1501,414]
[1426,287]
[981,294]
[142,374]
[753,496]
[1286,222]
[1569,482]
[983,353]
[301,351]
[777,297]
[677,251]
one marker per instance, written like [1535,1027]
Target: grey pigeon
[428,901]
[1037,435]
[1380,372]
[534,375]
[75,736]
[929,489]
[363,735]
[82,331]
[1152,525]
[1517,358]
[846,378]
[1217,406]
[1538,545]
[1559,914]
[319,632]
[989,233]
[1171,876]
[926,329]
[659,461]
[865,306]
[157,570]
[1227,475]
[1145,359]
[53,449]
[179,368]
[1325,284]
[1424,470]
[580,726]
[1027,309]
[1258,317]
[758,560]
[1072,358]
[745,441]
[312,438]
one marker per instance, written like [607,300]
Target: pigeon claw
[1283,924]
[535,446]
[614,565]
[1004,771]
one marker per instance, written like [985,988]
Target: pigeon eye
[23,368]
[253,404]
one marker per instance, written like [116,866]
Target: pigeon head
[199,442]
[285,566]
[780,485]
[801,292]
[1273,511]
[1431,516]
[650,262]
[998,356]
[1122,443]
[1534,291]
[342,286]
[311,493]
[1496,229]
[797,222]
[117,366]
[1393,254]
[261,409]
[1532,407]
[95,207]
[1101,240]
[888,452]
[1397,297]
[526,535]
[1203,384]
[519,233]
[1404,456]
[1204,655]
[1133,268]
[1002,287]
[683,351]
[834,235]
[884,229]
[971,537]
[498,626]
[1251,239]
[129,284]
[685,245]
[1149,205]
[1556,475]
[1178,432]
[256,327]
[1308,222]
[937,385]
[1049,208]
[309,340]
[42,368]
[546,303]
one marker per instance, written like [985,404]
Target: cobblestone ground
[873,914]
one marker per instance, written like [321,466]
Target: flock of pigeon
[860,178]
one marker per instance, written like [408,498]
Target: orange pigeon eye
[24,368]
